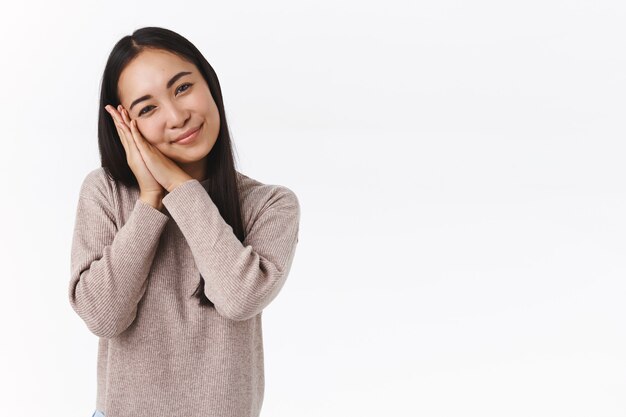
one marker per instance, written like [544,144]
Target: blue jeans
[98,413]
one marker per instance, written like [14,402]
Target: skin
[148,129]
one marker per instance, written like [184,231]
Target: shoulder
[98,185]
[257,196]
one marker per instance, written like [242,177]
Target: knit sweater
[133,270]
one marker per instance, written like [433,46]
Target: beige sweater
[133,270]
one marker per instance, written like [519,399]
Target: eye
[142,110]
[188,85]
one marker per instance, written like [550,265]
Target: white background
[460,170]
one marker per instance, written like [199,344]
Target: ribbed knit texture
[133,270]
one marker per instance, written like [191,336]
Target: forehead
[148,73]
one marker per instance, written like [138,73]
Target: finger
[122,117]
[117,119]
[114,113]
[136,141]
[122,130]
[134,131]
[122,135]
[125,115]
[137,138]
[120,110]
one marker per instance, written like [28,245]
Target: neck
[196,170]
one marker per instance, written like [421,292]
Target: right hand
[148,186]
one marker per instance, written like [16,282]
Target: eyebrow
[169,84]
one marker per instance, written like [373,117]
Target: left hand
[162,168]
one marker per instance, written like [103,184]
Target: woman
[175,253]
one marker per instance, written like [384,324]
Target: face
[169,97]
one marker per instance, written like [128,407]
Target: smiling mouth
[190,137]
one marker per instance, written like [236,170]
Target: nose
[176,116]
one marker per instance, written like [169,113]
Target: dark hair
[220,164]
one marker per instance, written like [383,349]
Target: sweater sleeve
[109,267]
[240,279]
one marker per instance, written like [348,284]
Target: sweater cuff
[183,194]
[151,218]
[189,203]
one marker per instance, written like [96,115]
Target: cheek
[150,132]
[214,112]
[206,102]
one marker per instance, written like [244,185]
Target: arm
[109,267]
[240,279]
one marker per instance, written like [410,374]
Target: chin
[192,155]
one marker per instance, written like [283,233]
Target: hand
[164,171]
[148,185]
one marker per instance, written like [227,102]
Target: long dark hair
[220,164]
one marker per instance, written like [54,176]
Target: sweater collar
[205,183]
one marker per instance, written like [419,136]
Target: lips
[186,134]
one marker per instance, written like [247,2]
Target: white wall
[460,169]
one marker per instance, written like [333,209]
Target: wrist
[155,200]
[178,182]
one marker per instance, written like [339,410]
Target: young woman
[175,253]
